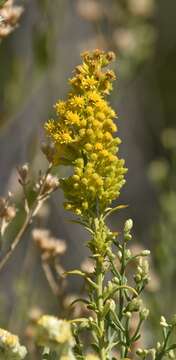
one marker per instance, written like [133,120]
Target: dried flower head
[7,213]
[10,347]
[83,137]
[9,17]
[90,10]
[48,245]
[88,266]
[23,172]
[51,183]
[34,314]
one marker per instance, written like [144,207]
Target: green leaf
[75,272]
[95,347]
[112,210]
[116,321]
[79,300]
[84,275]
[79,222]
[172,347]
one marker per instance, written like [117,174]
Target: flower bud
[134,305]
[158,345]
[128,225]
[171,354]
[145,253]
[127,237]
[163,322]
[128,314]
[139,352]
[144,313]
[119,253]
[137,278]
[128,254]
[152,353]
[116,280]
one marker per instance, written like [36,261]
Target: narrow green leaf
[75,272]
[79,300]
[112,210]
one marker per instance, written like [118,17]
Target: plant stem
[121,296]
[100,318]
[28,220]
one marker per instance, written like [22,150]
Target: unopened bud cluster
[142,274]
[127,229]
[10,347]
[56,335]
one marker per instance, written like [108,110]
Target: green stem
[163,351]
[100,317]
[121,296]
[122,273]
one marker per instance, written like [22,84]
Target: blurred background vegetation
[35,62]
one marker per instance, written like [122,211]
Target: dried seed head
[51,183]
[10,213]
[23,172]
[88,266]
[34,314]
[9,16]
[49,151]
[49,246]
[90,10]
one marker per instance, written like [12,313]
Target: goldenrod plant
[83,137]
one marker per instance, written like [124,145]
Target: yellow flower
[83,138]
[77,101]
[94,96]
[72,118]
[60,107]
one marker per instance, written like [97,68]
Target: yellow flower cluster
[10,347]
[83,138]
